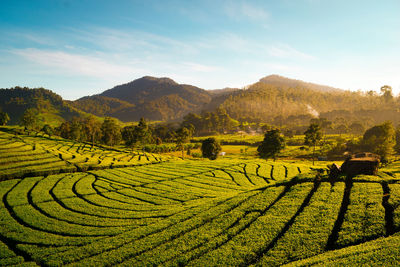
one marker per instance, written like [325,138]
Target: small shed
[360,163]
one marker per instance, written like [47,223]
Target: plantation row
[191,213]
[33,156]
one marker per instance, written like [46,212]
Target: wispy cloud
[200,67]
[241,9]
[77,64]
[130,40]
[286,51]
[251,47]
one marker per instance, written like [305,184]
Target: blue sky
[83,47]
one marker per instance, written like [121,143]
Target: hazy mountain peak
[278,80]
[156,79]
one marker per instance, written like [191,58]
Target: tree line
[382,139]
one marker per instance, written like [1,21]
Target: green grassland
[66,203]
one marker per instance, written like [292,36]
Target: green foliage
[119,207]
[210,148]
[93,129]
[312,136]
[397,137]
[380,139]
[47,129]
[30,119]
[111,132]
[52,109]
[4,118]
[139,134]
[218,121]
[148,97]
[272,144]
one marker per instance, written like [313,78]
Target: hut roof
[365,156]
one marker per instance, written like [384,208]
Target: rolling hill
[149,97]
[52,108]
[273,99]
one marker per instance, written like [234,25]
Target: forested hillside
[274,100]
[285,104]
[51,107]
[278,80]
[149,97]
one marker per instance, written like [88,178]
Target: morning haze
[199,133]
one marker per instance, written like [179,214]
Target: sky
[83,47]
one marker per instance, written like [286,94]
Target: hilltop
[149,97]
[273,99]
[164,99]
[52,108]
[278,80]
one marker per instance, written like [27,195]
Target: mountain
[149,97]
[52,108]
[274,99]
[277,80]
[278,100]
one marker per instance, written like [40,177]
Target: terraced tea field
[29,156]
[196,213]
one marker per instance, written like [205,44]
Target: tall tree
[380,139]
[312,136]
[183,135]
[77,131]
[139,134]
[64,130]
[4,118]
[93,129]
[30,119]
[111,132]
[272,144]
[387,93]
[210,148]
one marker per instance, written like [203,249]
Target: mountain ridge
[270,100]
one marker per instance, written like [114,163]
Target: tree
[77,131]
[128,135]
[380,139]
[397,146]
[47,129]
[140,133]
[387,94]
[30,119]
[64,130]
[111,132]
[312,136]
[272,144]
[210,148]
[4,118]
[183,135]
[92,128]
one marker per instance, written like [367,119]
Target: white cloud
[200,67]
[132,41]
[240,10]
[75,63]
[286,51]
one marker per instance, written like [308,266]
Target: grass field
[65,203]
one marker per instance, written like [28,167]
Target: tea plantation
[66,203]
